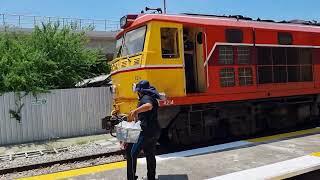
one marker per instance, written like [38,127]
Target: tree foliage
[50,58]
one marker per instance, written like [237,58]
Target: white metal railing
[28,21]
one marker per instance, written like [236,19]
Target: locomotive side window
[293,74]
[264,62]
[227,77]
[305,56]
[293,56]
[285,38]
[279,56]
[264,56]
[169,42]
[234,35]
[245,76]
[279,61]
[243,55]
[285,65]
[299,65]
[225,55]
[293,61]
[305,60]
[265,74]
[306,73]
[279,74]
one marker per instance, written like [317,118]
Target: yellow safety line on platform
[78,172]
[285,135]
[316,154]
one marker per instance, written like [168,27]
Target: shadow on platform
[173,177]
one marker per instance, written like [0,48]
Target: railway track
[51,163]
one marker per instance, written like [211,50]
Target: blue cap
[142,85]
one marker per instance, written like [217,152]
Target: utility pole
[164,7]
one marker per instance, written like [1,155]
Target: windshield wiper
[126,48]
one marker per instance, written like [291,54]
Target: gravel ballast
[74,151]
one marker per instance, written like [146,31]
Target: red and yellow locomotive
[222,76]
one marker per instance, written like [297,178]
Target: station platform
[272,157]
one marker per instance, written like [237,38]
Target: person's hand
[133,115]
[123,145]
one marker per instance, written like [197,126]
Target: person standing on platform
[147,113]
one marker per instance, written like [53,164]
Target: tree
[51,57]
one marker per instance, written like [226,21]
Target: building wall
[106,45]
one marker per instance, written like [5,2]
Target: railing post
[80,24]
[105,25]
[19,23]
[3,21]
[58,21]
[93,25]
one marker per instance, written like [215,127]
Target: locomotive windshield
[131,43]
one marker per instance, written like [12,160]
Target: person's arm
[144,108]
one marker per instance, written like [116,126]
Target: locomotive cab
[167,54]
[139,56]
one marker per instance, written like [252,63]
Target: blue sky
[114,9]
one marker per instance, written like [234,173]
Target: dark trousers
[148,144]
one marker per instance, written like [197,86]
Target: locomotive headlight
[123,21]
[127,20]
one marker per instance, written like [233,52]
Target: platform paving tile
[221,163]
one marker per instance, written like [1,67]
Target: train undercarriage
[194,124]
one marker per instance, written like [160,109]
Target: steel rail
[61,162]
